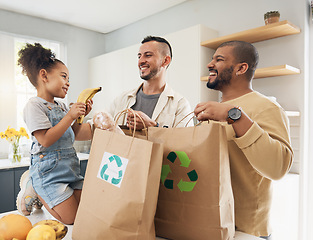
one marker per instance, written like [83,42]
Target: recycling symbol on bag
[115,180]
[184,186]
[112,168]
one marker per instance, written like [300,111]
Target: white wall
[7,89]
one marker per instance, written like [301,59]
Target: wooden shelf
[274,71]
[270,31]
[293,113]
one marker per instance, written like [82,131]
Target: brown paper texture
[195,198]
[126,212]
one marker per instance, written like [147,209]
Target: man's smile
[212,75]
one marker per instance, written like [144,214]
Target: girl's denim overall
[55,172]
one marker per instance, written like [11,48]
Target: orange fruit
[14,226]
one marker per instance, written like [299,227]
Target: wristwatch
[234,114]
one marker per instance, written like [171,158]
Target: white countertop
[43,214]
[25,162]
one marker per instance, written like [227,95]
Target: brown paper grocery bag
[120,190]
[195,198]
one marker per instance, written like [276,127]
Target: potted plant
[271,17]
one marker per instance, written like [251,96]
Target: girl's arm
[82,132]
[47,137]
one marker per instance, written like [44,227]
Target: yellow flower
[11,139]
[13,136]
[23,132]
[9,132]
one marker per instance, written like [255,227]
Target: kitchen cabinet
[189,63]
[10,185]
[7,202]
[83,166]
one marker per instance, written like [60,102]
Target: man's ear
[43,75]
[242,68]
[166,61]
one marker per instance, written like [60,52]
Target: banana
[84,96]
[59,228]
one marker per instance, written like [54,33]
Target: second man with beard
[257,132]
[154,100]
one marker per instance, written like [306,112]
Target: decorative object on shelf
[13,137]
[271,17]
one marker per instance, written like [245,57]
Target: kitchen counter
[25,162]
[10,174]
[43,214]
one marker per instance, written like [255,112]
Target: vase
[15,153]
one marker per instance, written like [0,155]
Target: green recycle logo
[115,180]
[183,186]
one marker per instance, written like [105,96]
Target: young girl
[54,173]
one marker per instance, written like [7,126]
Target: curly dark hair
[33,58]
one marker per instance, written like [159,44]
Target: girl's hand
[76,110]
[89,106]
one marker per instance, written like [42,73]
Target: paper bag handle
[135,115]
[188,120]
[184,118]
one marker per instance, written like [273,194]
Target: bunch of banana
[84,96]
[59,228]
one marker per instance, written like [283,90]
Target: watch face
[234,113]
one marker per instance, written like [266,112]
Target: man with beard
[154,100]
[257,131]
